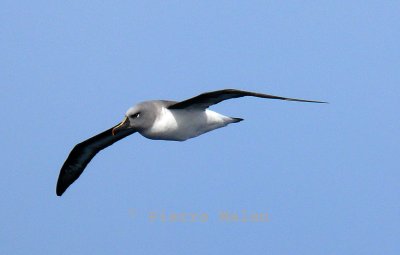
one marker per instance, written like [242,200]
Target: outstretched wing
[81,155]
[205,100]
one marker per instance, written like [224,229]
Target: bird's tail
[236,120]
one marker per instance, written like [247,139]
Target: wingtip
[61,188]
[59,192]
[321,102]
[307,101]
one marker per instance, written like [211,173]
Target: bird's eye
[136,115]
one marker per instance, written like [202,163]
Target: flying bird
[158,120]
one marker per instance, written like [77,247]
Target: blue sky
[327,176]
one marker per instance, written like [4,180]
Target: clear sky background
[327,175]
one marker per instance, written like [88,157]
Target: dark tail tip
[236,120]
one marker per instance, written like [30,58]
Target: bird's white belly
[180,125]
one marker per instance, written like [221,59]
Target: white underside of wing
[180,125]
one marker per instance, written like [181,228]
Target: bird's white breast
[180,125]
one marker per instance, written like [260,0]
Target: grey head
[142,116]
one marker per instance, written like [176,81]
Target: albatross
[158,120]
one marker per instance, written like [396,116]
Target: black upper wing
[205,100]
[81,155]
